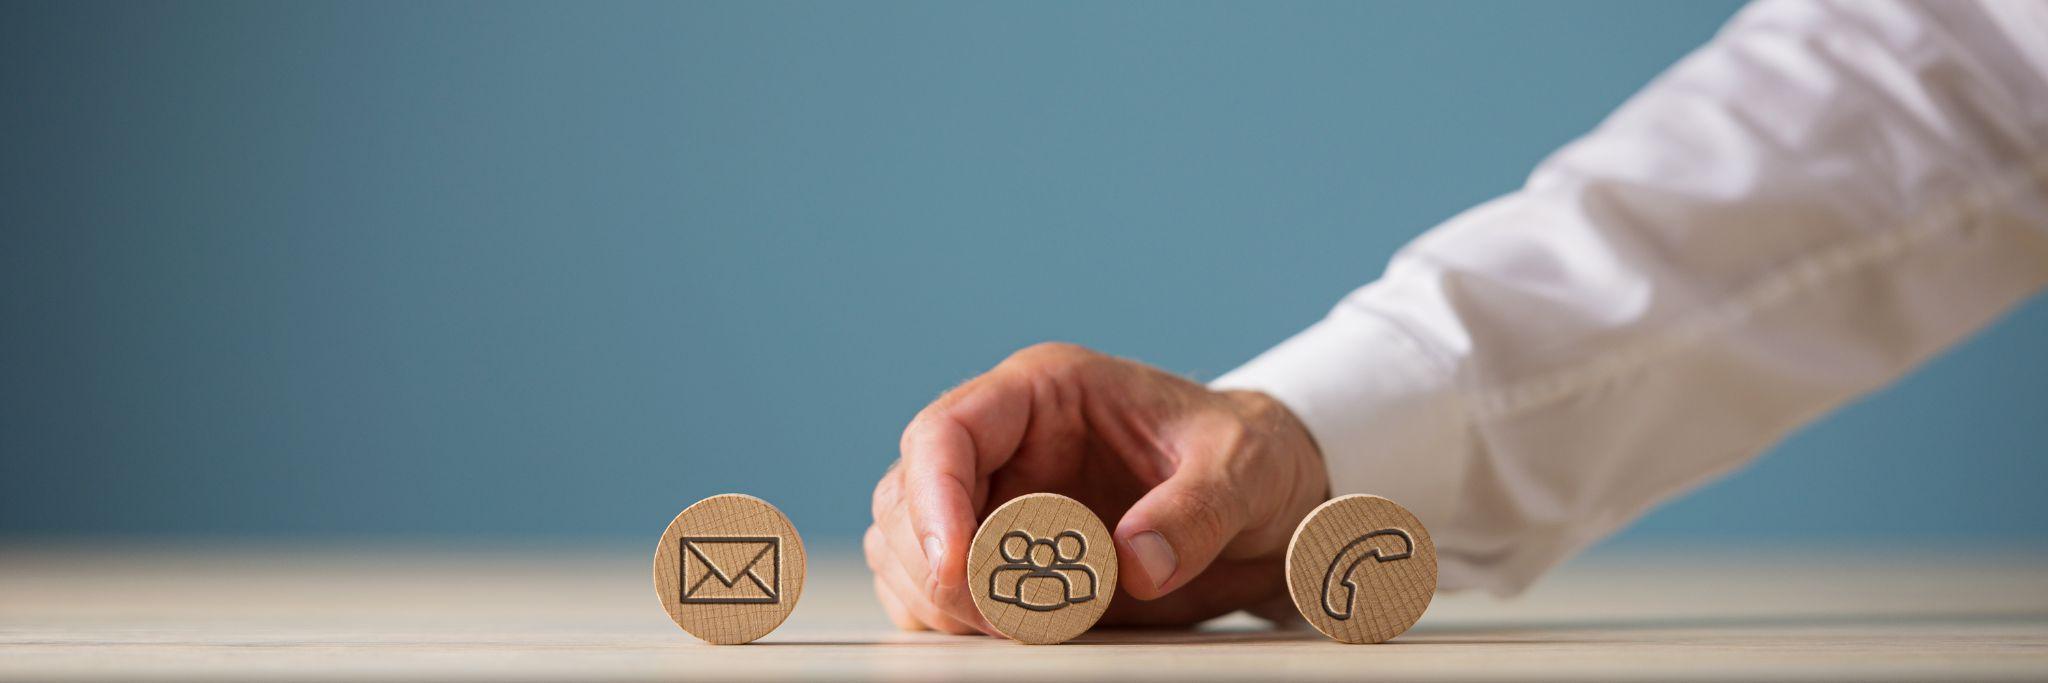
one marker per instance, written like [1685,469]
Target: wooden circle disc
[1361,569]
[729,569]
[1042,568]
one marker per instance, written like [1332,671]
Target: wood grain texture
[1361,569]
[729,569]
[1042,568]
[139,610]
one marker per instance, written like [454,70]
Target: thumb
[1176,530]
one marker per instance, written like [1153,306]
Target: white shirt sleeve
[1795,214]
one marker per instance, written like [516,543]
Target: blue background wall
[558,269]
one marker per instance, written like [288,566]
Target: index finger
[949,450]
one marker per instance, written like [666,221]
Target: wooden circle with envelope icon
[1361,569]
[1042,568]
[729,569]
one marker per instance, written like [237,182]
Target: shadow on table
[1492,632]
[1160,636]
[1100,637]
[1477,633]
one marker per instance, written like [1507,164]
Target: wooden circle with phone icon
[1042,568]
[1361,569]
[729,569]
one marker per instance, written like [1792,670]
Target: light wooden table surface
[142,611]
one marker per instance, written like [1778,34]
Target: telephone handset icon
[1345,564]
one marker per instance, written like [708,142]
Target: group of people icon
[1042,574]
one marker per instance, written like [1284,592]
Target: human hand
[1202,488]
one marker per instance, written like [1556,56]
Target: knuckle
[912,431]
[941,593]
[928,419]
[926,614]
[1057,372]
[1231,436]
[1055,356]
[1208,511]
[887,493]
[929,425]
[897,614]
[873,548]
[905,622]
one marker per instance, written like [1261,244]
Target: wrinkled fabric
[1795,214]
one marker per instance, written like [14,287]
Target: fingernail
[935,553]
[1155,556]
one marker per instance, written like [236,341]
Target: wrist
[1285,441]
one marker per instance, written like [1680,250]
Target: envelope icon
[732,570]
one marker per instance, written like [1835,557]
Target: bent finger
[910,559]
[948,452]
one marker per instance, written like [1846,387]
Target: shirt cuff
[1379,406]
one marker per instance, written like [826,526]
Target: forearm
[1794,215]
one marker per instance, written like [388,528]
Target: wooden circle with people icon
[1042,568]
[1361,569]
